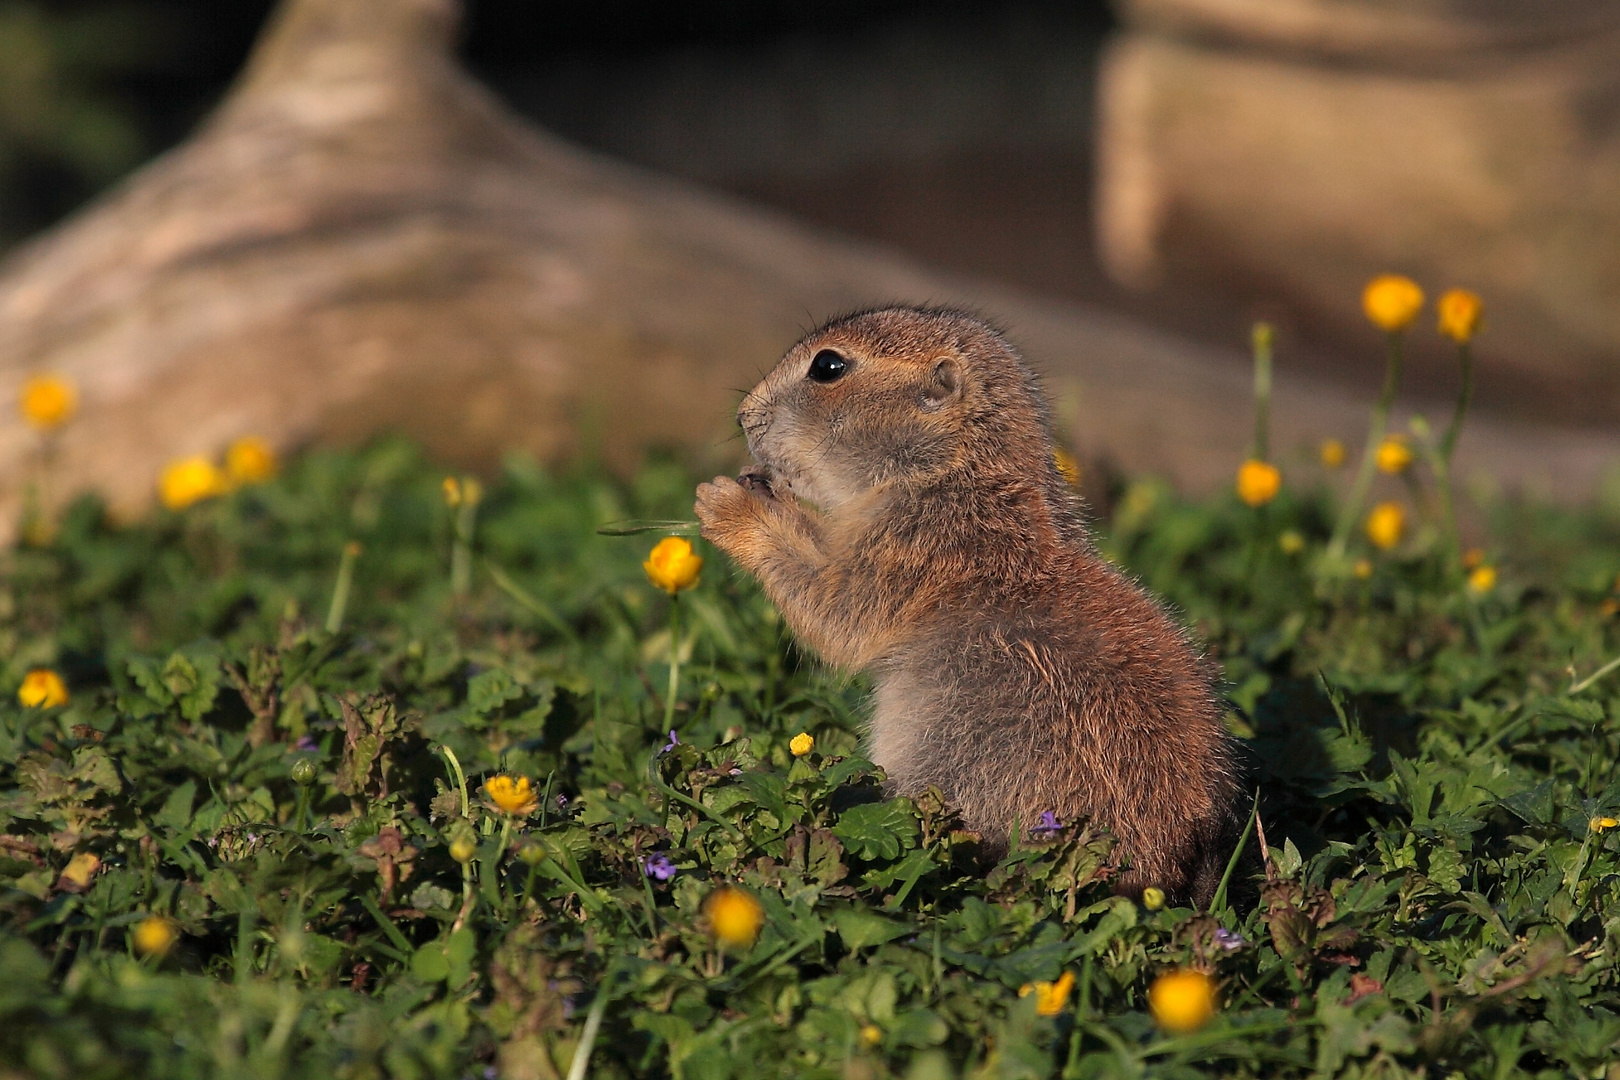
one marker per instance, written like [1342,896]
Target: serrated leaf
[489,690]
[877,830]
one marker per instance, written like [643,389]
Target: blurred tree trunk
[363,239]
[1302,146]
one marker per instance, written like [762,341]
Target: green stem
[1262,338]
[340,591]
[1218,902]
[460,778]
[461,550]
[1448,444]
[1369,453]
[674,661]
[1577,687]
[1465,357]
[593,1023]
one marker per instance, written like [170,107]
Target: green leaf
[176,811]
[861,929]
[878,830]
[489,690]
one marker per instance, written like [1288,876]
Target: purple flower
[1230,940]
[672,744]
[306,745]
[657,865]
[562,802]
[1048,825]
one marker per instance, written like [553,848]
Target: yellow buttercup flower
[512,795]
[802,743]
[1386,524]
[734,917]
[1258,482]
[1050,997]
[1153,898]
[79,871]
[1460,313]
[1332,453]
[1067,466]
[1182,1001]
[47,401]
[1393,455]
[249,460]
[1391,302]
[190,480]
[672,566]
[1599,824]
[1482,579]
[42,688]
[155,935]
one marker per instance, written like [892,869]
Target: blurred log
[1300,146]
[362,239]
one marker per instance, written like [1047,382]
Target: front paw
[733,516]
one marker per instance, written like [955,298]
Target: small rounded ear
[944,384]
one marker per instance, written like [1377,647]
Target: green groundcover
[257,840]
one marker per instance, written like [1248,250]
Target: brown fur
[909,521]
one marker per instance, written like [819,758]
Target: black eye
[827,366]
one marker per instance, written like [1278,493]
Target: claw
[757,479]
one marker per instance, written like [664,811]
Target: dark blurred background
[965,134]
[959,132]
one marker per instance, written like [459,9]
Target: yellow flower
[452,491]
[1153,898]
[871,1035]
[512,795]
[1050,997]
[42,688]
[802,744]
[1258,482]
[1386,524]
[672,566]
[462,850]
[1482,578]
[77,873]
[1292,542]
[1391,302]
[1363,569]
[155,935]
[734,917]
[1332,453]
[1598,824]
[1393,455]
[1067,466]
[1460,312]
[190,480]
[249,460]
[47,401]
[1182,1001]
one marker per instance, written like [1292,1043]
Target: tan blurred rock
[1301,146]
[362,239]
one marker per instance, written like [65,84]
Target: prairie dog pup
[907,518]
